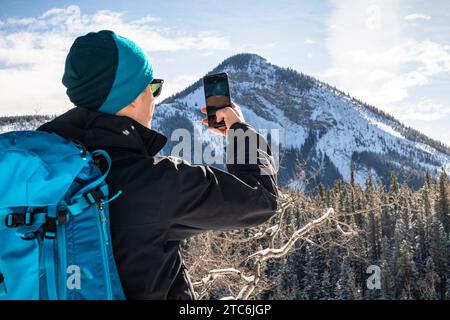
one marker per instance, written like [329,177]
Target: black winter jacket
[165,199]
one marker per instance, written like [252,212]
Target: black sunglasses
[156,87]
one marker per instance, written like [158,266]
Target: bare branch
[260,247]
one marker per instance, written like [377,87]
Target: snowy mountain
[323,133]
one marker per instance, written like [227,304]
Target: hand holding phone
[217,96]
[229,115]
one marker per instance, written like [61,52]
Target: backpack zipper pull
[114,197]
[103,219]
[104,223]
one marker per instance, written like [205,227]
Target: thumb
[220,115]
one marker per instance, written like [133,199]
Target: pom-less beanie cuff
[106,72]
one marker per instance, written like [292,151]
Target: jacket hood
[99,130]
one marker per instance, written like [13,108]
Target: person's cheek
[151,109]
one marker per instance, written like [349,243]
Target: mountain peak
[237,62]
[242,61]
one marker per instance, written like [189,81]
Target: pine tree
[321,194]
[427,199]
[428,180]
[387,217]
[421,235]
[343,290]
[439,254]
[352,173]
[428,284]
[394,182]
[444,202]
[326,288]
[407,272]
[372,237]
[311,276]
[387,283]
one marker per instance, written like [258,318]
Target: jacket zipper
[102,225]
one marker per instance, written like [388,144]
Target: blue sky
[394,54]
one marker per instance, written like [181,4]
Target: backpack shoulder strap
[95,192]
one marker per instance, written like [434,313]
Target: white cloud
[23,22]
[147,19]
[425,110]
[188,78]
[417,16]
[178,84]
[33,50]
[441,133]
[256,47]
[309,42]
[372,58]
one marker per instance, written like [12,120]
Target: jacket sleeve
[206,198]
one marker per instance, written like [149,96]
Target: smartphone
[217,96]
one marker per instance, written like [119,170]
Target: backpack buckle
[14,220]
[50,228]
[63,216]
[94,196]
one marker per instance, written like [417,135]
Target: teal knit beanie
[105,72]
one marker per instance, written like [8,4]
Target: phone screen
[217,94]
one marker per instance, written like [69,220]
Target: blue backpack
[55,242]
